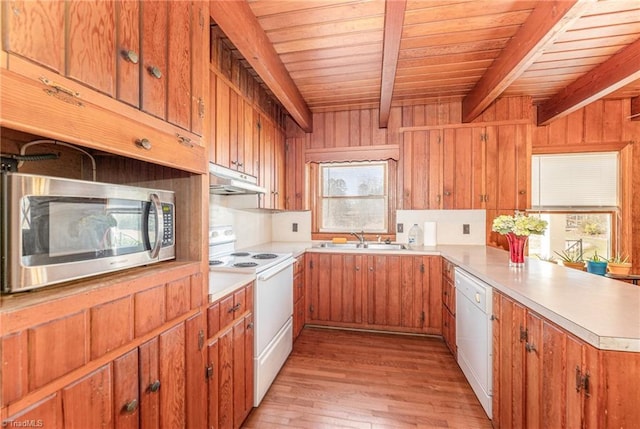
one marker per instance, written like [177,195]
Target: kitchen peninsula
[572,307]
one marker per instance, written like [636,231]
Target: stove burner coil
[215,262]
[240,254]
[245,264]
[265,256]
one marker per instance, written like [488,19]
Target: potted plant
[597,264]
[619,265]
[571,259]
[517,229]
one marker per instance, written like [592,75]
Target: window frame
[315,184]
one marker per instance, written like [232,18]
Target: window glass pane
[353,180]
[354,214]
[574,233]
[353,197]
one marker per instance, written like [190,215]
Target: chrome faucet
[360,236]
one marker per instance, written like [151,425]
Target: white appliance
[273,302]
[474,334]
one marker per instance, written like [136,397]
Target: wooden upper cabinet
[151,55]
[154,71]
[457,168]
[422,169]
[91,44]
[128,52]
[42,43]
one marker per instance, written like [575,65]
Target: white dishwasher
[474,303]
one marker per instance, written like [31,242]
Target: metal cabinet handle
[357,268]
[522,192]
[370,268]
[155,386]
[530,347]
[131,406]
[155,72]
[234,308]
[144,144]
[447,193]
[131,56]
[183,140]
[250,325]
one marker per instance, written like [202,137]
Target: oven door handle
[275,270]
[155,200]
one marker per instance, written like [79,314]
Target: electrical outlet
[294,227]
[465,228]
[400,227]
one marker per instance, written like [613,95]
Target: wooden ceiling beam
[393,21]
[609,76]
[547,20]
[240,25]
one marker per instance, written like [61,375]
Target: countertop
[601,311]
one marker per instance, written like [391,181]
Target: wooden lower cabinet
[449,307]
[385,292]
[298,296]
[229,366]
[545,377]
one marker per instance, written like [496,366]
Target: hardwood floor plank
[361,380]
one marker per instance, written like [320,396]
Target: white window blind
[575,180]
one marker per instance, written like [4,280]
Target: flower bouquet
[517,229]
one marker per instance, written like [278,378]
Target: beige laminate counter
[601,311]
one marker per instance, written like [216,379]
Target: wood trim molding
[548,19]
[618,71]
[393,21]
[579,148]
[463,125]
[240,25]
[360,153]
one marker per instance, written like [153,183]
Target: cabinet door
[150,385]
[213,383]
[267,148]
[91,48]
[335,284]
[279,179]
[171,355]
[458,169]
[533,372]
[249,151]
[221,113]
[199,61]
[126,391]
[178,68]
[35,30]
[225,380]
[422,170]
[88,403]
[154,22]
[384,290]
[196,393]
[46,414]
[508,363]
[128,52]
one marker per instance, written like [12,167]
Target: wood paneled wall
[602,126]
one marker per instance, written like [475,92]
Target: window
[577,194]
[353,197]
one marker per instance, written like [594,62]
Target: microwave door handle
[155,200]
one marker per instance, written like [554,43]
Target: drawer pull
[234,308]
[131,406]
[155,386]
[131,56]
[60,92]
[183,140]
[155,72]
[144,144]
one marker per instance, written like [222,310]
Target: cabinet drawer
[449,295]
[227,309]
[448,271]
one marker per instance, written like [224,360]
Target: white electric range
[273,302]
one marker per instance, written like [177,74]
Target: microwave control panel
[167,216]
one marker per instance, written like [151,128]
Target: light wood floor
[342,379]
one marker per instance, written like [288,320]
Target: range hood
[225,181]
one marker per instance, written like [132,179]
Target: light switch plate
[294,227]
[400,227]
[466,228]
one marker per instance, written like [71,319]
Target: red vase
[517,244]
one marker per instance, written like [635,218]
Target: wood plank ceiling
[562,53]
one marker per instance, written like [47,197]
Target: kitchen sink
[369,246]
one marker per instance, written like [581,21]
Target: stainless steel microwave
[55,230]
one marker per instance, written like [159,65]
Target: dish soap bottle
[415,237]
